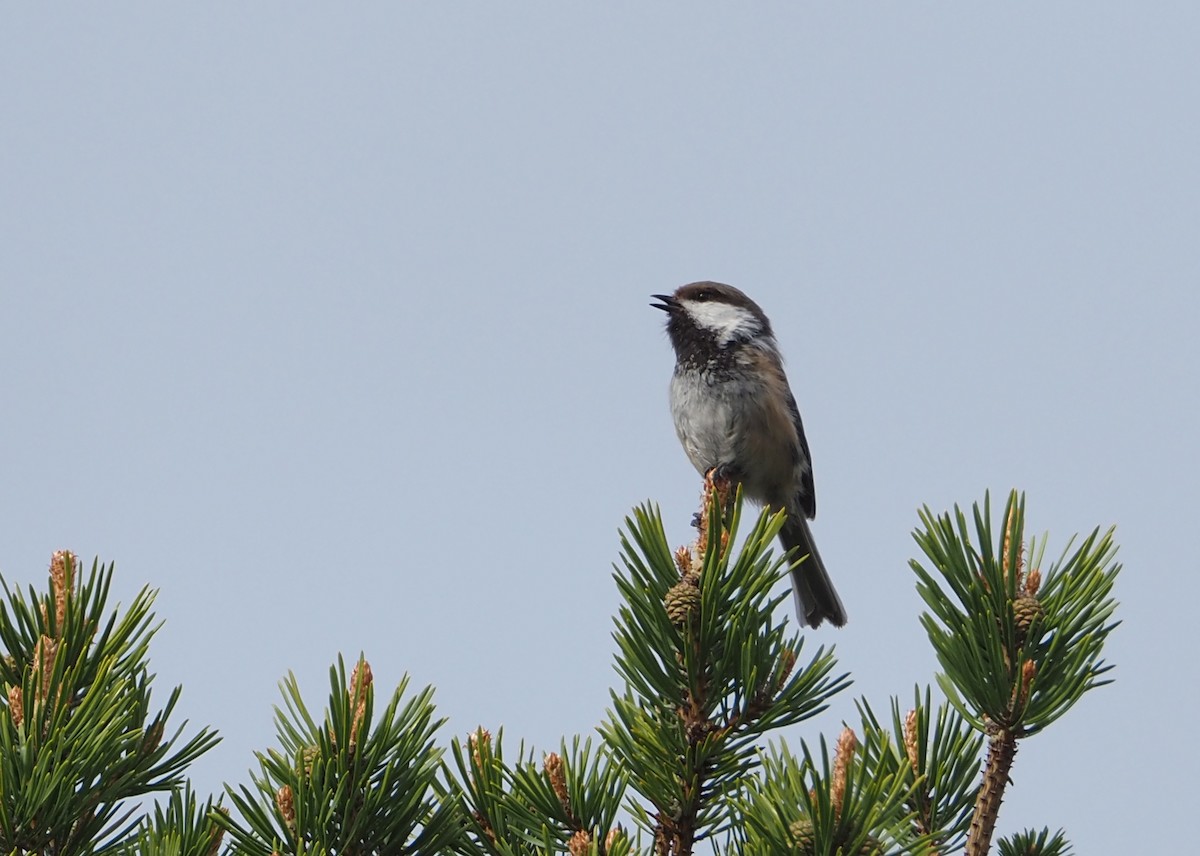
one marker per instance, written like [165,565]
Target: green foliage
[349,784]
[856,804]
[702,691]
[1030,843]
[998,673]
[707,672]
[909,790]
[572,798]
[184,828]
[78,733]
[936,754]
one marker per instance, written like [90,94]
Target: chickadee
[733,409]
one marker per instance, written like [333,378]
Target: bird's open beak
[666,302]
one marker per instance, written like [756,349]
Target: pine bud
[683,600]
[806,839]
[553,767]
[911,746]
[580,844]
[16,705]
[1026,610]
[284,803]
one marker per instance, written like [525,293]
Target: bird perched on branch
[734,413]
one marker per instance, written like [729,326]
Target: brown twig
[675,830]
[1001,751]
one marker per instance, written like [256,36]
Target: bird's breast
[704,409]
[725,417]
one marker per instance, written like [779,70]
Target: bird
[735,413]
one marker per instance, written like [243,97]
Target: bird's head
[712,313]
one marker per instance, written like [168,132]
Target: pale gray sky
[306,312]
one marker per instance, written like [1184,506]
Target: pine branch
[1019,648]
[79,735]
[708,670]
[355,783]
[1001,751]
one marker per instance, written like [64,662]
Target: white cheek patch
[726,321]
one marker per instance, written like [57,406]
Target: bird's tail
[816,600]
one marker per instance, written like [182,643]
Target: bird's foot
[722,481]
[722,476]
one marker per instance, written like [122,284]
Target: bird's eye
[704,294]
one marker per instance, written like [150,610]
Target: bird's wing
[807,492]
